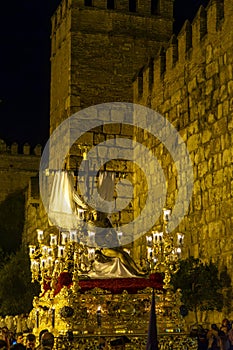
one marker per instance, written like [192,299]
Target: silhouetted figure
[47,341]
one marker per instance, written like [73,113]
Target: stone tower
[97,48]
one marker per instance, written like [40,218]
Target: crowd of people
[17,341]
[216,338]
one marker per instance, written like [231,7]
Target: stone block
[193,142]
[206,136]
[209,53]
[218,177]
[209,86]
[202,168]
[230,87]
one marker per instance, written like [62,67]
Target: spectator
[30,341]
[3,345]
[4,336]
[230,336]
[19,342]
[225,327]
[47,341]
[40,336]
[214,342]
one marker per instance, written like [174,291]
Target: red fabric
[46,287]
[117,285]
[114,285]
[64,279]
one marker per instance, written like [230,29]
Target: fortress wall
[192,87]
[97,51]
[17,167]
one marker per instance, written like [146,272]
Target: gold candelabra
[70,251]
[163,253]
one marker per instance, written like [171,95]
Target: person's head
[214,329]
[4,332]
[226,325]
[47,340]
[3,345]
[19,338]
[225,322]
[41,333]
[31,341]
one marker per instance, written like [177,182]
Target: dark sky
[25,65]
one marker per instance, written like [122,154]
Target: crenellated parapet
[18,164]
[193,89]
[13,149]
[95,42]
[209,25]
[108,16]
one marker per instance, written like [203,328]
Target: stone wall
[17,167]
[191,84]
[96,51]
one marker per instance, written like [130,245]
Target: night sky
[25,66]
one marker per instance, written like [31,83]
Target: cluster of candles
[157,242]
[157,239]
[48,258]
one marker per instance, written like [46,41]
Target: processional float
[90,287]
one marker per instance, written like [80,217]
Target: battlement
[144,8]
[189,44]
[13,149]
[108,16]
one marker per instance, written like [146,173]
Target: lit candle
[91,253]
[61,251]
[43,264]
[166,214]
[81,214]
[160,237]
[98,314]
[64,238]
[34,266]
[32,250]
[40,235]
[53,240]
[44,250]
[180,238]
[49,251]
[149,240]
[155,236]
[73,236]
[119,235]
[149,253]
[49,262]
